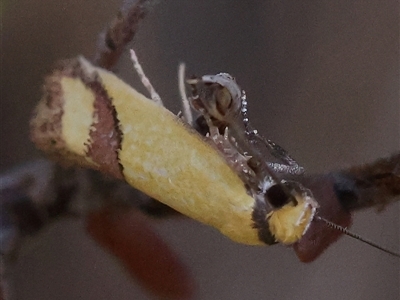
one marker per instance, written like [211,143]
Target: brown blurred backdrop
[322,79]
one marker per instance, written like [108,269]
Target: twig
[121,31]
[376,184]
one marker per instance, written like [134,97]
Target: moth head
[218,95]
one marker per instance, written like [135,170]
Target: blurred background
[322,79]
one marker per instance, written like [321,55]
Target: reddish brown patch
[319,236]
[128,236]
[104,139]
[105,135]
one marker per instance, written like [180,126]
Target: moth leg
[145,81]
[282,168]
[226,146]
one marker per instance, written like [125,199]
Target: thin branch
[121,32]
[376,184]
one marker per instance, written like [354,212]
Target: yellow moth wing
[166,159]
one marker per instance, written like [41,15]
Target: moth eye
[277,196]
[224,100]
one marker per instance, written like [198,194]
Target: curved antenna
[356,236]
[145,81]
[187,113]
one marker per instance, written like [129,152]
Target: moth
[89,117]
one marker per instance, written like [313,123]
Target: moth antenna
[145,81]
[187,112]
[356,236]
